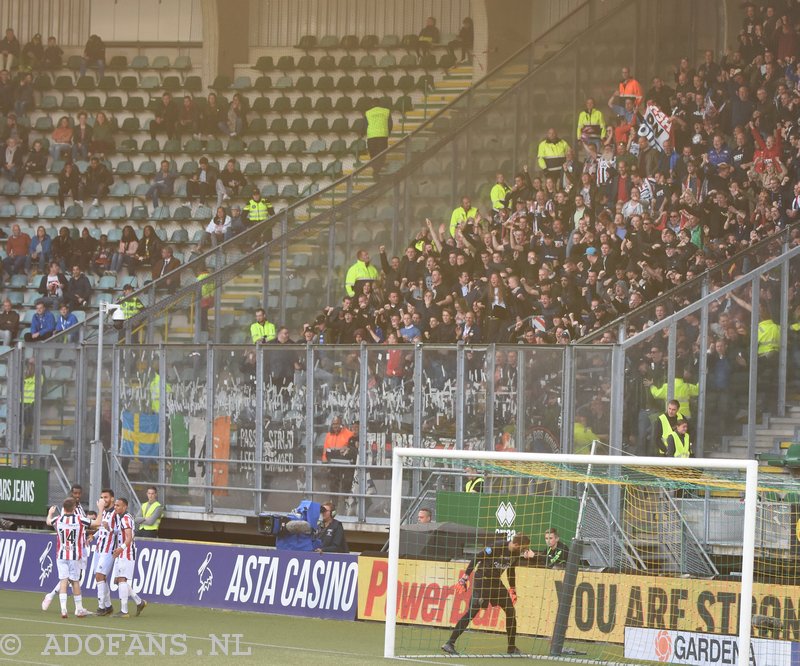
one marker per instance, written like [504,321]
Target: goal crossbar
[400,455]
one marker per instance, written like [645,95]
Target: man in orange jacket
[340,450]
[629,87]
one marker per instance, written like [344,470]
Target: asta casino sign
[194,574]
[23,491]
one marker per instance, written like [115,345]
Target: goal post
[651,488]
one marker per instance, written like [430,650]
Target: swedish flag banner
[139,434]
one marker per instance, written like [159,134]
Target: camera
[293,530]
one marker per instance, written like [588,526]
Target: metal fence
[236,429]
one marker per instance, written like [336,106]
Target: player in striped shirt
[75,493]
[71,531]
[104,545]
[124,558]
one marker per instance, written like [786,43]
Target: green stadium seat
[92,104]
[256,147]
[347,63]
[11,189]
[279,126]
[320,126]
[426,82]
[252,169]
[281,105]
[313,170]
[390,42]
[135,105]
[307,42]
[214,147]
[273,169]
[408,61]
[160,62]
[43,83]
[182,213]
[56,166]
[386,83]
[299,126]
[368,62]
[387,62]
[32,188]
[325,84]
[150,82]
[345,84]
[269,191]
[302,105]
[308,190]
[344,105]
[96,213]
[406,83]
[276,147]
[172,83]
[298,147]
[293,169]
[428,61]
[363,104]
[162,213]
[284,83]
[404,104]
[151,147]
[182,63]
[193,84]
[242,83]
[329,42]
[118,63]
[338,147]
[409,42]
[447,61]
[235,146]
[189,168]
[86,83]
[138,214]
[70,103]
[349,43]
[64,83]
[366,84]
[290,192]
[359,126]
[49,103]
[74,63]
[121,188]
[340,126]
[128,146]
[369,42]
[305,84]
[113,104]
[323,105]
[334,169]
[147,168]
[43,124]
[264,64]
[140,62]
[263,84]
[179,236]
[7,212]
[172,147]
[285,63]
[193,147]
[307,63]
[328,63]
[257,126]
[117,213]
[29,212]
[52,212]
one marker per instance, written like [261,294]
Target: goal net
[583,559]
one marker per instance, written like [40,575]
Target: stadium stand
[298,127]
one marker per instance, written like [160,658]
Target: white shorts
[123,569]
[70,569]
[105,563]
[82,562]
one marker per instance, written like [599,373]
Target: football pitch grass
[191,635]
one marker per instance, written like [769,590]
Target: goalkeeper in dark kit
[488,588]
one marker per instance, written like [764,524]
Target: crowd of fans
[607,224]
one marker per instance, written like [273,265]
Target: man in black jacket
[331,534]
[79,290]
[488,588]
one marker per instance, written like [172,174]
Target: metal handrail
[397,148]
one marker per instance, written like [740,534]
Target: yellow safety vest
[594,118]
[265,330]
[155,393]
[377,122]
[29,390]
[258,211]
[147,510]
[666,428]
[208,287]
[358,271]
[474,485]
[769,337]
[682,392]
[131,307]
[498,194]
[548,149]
[460,216]
[682,448]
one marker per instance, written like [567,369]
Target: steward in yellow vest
[678,443]
[379,126]
[148,520]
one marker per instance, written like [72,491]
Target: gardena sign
[689,647]
[23,491]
